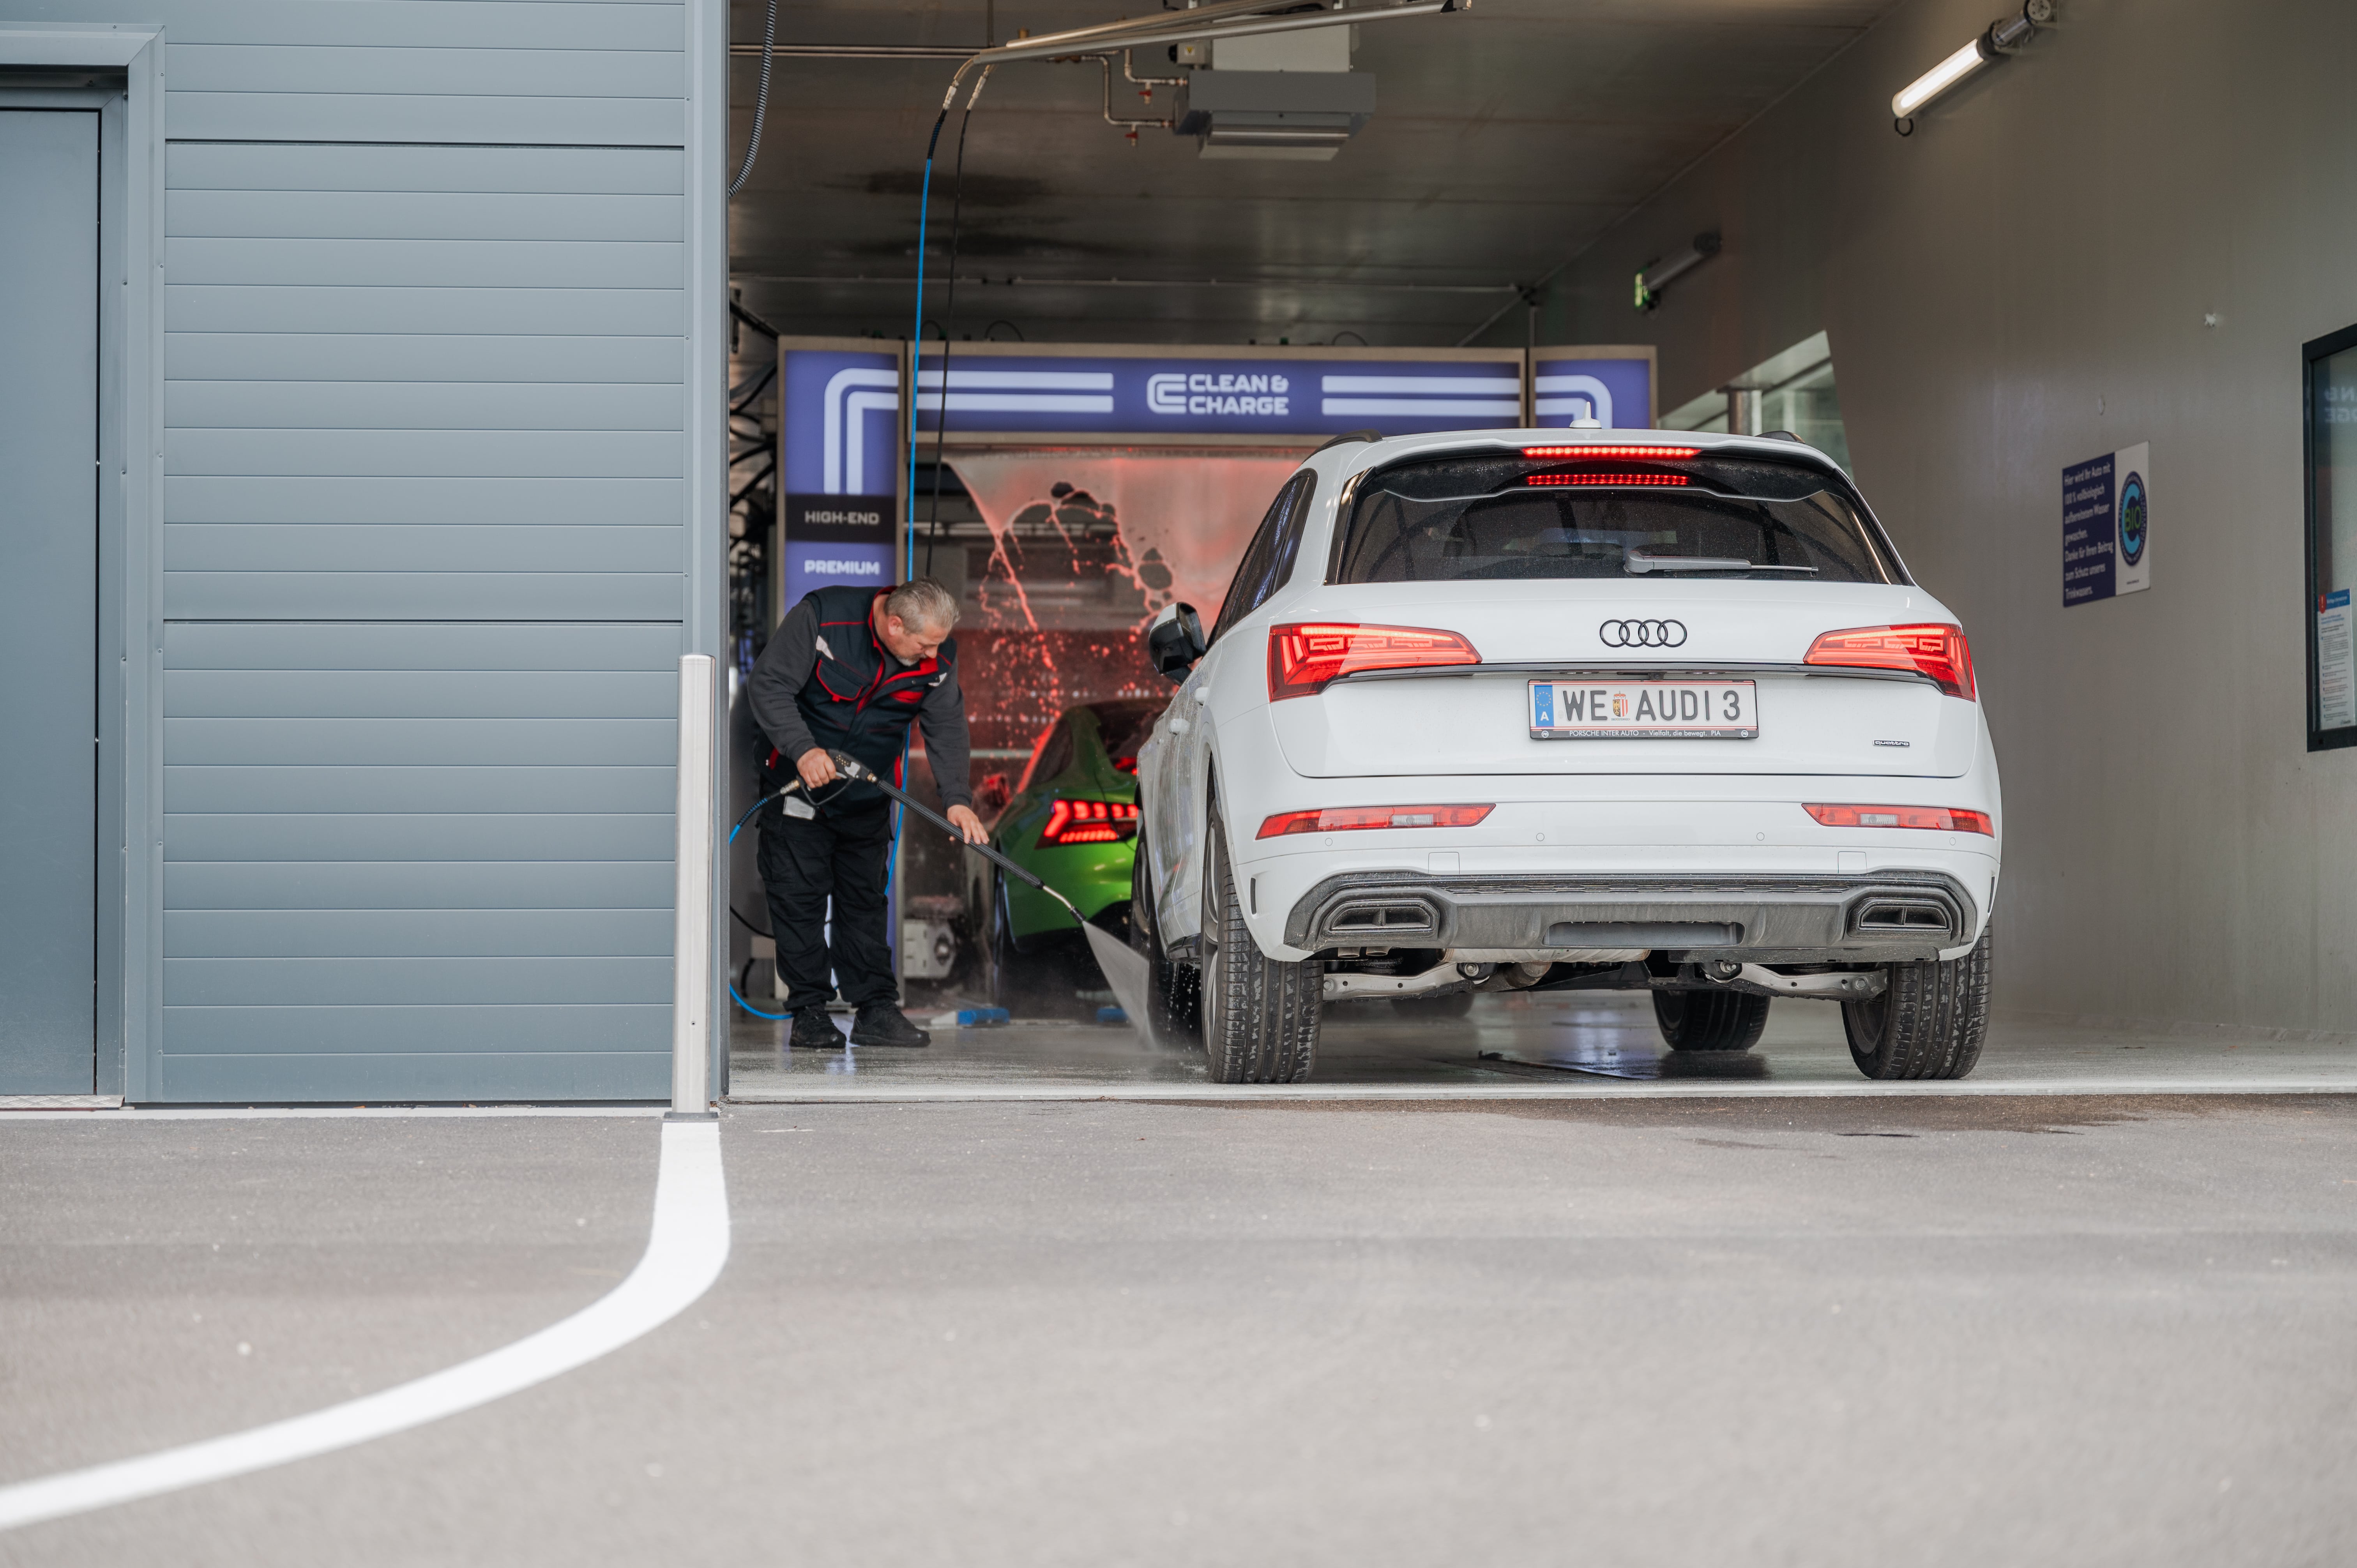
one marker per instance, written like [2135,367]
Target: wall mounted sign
[840,451]
[1175,392]
[2106,525]
[1613,387]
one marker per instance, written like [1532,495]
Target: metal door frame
[118,70]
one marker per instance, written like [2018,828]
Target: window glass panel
[1473,518]
[1809,408]
[2332,532]
[1258,574]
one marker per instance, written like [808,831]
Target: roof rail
[1344,440]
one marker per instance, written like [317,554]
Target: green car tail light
[1088,821]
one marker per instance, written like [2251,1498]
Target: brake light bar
[1938,652]
[1939,819]
[1669,452]
[1351,818]
[1305,657]
[1614,479]
[1088,821]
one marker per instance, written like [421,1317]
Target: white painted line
[1596,1089]
[321,1112]
[685,1249]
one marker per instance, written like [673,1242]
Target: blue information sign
[2107,525]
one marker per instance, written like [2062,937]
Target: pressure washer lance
[1125,969]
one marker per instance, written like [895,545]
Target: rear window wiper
[1640,561]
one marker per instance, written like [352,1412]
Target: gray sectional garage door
[423,558]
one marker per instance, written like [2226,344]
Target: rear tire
[1260,1015]
[1178,990]
[1710,1020]
[1930,1022]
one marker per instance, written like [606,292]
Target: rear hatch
[1601,585]
[1475,719]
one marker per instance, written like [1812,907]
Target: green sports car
[1073,822]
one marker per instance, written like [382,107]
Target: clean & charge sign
[1204,392]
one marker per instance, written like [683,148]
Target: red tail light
[1302,660]
[1088,821]
[1939,819]
[1346,818]
[1664,452]
[1939,651]
[1615,480]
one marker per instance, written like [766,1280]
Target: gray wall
[2022,284]
[442,293]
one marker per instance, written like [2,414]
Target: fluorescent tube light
[1938,80]
[2002,38]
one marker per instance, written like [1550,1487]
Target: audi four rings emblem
[1642,633]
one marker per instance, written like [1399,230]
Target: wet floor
[1591,1042]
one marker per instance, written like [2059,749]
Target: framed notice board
[2328,372]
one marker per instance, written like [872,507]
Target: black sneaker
[881,1024]
[814,1031]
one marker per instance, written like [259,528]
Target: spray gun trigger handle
[850,767]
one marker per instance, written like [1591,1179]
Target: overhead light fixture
[1656,275]
[2002,37]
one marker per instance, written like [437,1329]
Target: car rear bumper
[1876,917]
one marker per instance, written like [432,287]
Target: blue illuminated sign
[841,416]
[1146,395]
[1615,393]
[839,425]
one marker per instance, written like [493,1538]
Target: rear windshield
[1501,515]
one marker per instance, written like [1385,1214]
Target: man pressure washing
[848,669]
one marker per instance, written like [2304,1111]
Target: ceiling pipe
[1229,19]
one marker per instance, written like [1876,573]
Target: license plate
[1644,710]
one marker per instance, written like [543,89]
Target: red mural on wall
[1086,544]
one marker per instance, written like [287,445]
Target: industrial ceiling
[1505,139]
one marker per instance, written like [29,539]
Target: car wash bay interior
[1751,313]
[359,786]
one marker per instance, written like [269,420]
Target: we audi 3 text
[1592,709]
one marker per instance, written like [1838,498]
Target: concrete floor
[1638,1329]
[1601,1043]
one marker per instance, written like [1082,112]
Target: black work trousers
[840,855]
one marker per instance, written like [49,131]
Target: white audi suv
[1548,709]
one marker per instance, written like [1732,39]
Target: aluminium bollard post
[691,996]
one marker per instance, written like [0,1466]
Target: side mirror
[1174,640]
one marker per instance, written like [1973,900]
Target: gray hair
[921,601]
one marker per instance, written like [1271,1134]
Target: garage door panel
[299,646]
[395,981]
[395,743]
[439,836]
[318,788]
[461,1056]
[421,694]
[422,885]
[419,933]
[426,595]
[448,357]
[476,310]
